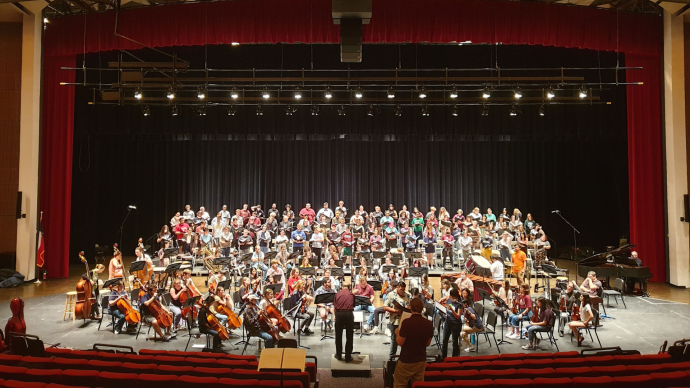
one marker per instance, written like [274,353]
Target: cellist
[144,302]
[268,299]
[204,327]
[189,283]
[251,321]
[219,300]
[116,293]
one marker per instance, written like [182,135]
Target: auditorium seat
[476,365]
[612,371]
[600,361]
[599,381]
[152,352]
[501,364]
[116,380]
[135,367]
[670,379]
[512,382]
[572,371]
[169,360]
[474,383]
[203,371]
[105,366]
[241,364]
[146,380]
[145,359]
[174,370]
[80,377]
[534,373]
[511,356]
[235,383]
[58,352]
[433,384]
[12,372]
[54,385]
[458,375]
[566,362]
[197,361]
[460,359]
[110,356]
[23,384]
[443,366]
[44,375]
[37,362]
[639,381]
[10,359]
[71,363]
[276,383]
[87,354]
[196,382]
[496,373]
[557,382]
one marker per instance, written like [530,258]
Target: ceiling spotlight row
[341,110]
[202,92]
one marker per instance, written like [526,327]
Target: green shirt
[418,223]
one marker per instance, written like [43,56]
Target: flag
[39,253]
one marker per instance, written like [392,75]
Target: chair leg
[623,300]
[496,342]
[598,340]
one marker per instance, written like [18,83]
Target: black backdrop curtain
[574,159]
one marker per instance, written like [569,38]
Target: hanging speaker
[686,208]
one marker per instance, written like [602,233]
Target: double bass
[145,274]
[86,298]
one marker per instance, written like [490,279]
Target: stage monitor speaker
[686,208]
[351,40]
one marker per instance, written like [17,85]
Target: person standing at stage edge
[344,303]
[413,336]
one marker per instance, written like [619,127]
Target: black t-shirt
[417,331]
[202,320]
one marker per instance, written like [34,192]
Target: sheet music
[440,307]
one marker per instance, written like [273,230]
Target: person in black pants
[204,328]
[453,324]
[344,319]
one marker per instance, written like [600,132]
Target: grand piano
[615,264]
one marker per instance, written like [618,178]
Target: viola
[575,316]
[283,324]
[233,320]
[16,323]
[215,325]
[85,295]
[132,316]
[514,310]
[162,315]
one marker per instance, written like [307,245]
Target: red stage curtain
[309,21]
[645,162]
[56,162]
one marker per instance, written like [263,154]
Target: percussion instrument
[478,265]
[158,270]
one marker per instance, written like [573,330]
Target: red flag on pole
[40,260]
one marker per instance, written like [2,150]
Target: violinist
[325,308]
[220,300]
[445,291]
[294,278]
[388,261]
[144,302]
[426,290]
[300,296]
[175,305]
[204,327]
[472,324]
[453,326]
[544,324]
[245,289]
[585,317]
[252,324]
[276,272]
[218,276]
[524,313]
[116,293]
[255,279]
[394,304]
[115,266]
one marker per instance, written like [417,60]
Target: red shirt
[181,228]
[367,291]
[448,240]
[344,300]
[309,212]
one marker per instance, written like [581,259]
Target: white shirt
[326,212]
[317,240]
[585,312]
[353,219]
[282,239]
[218,227]
[465,241]
[225,214]
[497,270]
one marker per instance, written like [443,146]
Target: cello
[215,325]
[283,324]
[186,294]
[132,316]
[234,321]
[162,315]
[85,296]
[267,326]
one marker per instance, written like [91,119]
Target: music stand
[110,283]
[379,254]
[503,304]
[326,298]
[362,301]
[317,284]
[315,262]
[413,256]
[396,258]
[339,263]
[138,266]
[418,272]
[226,284]
[246,257]
[275,287]
[387,268]
[337,272]
[170,271]
[294,311]
[375,284]
[270,255]
[170,252]
[307,271]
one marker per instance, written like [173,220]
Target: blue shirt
[386,220]
[300,243]
[206,238]
[457,306]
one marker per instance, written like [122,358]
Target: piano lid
[619,256]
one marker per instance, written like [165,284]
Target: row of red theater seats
[515,356]
[107,379]
[159,364]
[562,362]
[107,356]
[653,380]
[596,371]
[149,381]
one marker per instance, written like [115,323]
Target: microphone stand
[575,233]
[122,227]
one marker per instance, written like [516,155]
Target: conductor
[344,319]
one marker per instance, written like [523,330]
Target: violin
[16,323]
[85,296]
[514,309]
[132,316]
[575,316]
[468,318]
[162,315]
[215,325]
[283,324]
[384,287]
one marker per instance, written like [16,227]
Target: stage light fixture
[513,110]
[201,92]
[370,111]
[550,93]
[175,110]
[425,111]
[289,111]
[486,93]
[45,20]
[583,92]
[422,93]
[171,94]
[328,93]
[454,92]
[485,110]
[235,43]
[341,110]
[454,111]
[315,111]
[542,111]
[146,111]
[259,110]
[138,94]
[234,93]
[232,110]
[358,92]
[201,111]
[265,93]
[391,93]
[298,94]
[517,92]
[398,111]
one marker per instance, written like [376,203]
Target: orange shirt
[519,261]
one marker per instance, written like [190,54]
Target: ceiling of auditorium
[71,7]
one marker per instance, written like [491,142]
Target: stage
[644,325]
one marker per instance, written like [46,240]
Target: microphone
[556,211]
[132,207]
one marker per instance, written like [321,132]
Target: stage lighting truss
[150,84]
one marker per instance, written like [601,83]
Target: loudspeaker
[351,40]
[686,208]
[20,203]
